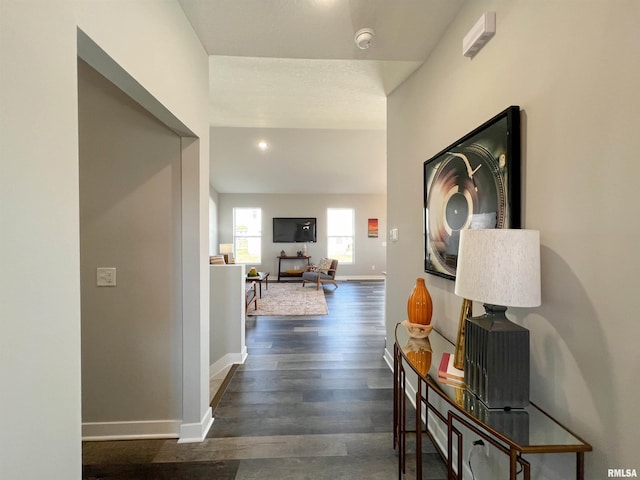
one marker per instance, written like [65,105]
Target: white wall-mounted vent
[479,35]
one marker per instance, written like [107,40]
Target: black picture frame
[473,183]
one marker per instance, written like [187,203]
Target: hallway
[313,401]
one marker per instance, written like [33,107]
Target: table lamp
[500,268]
[226,249]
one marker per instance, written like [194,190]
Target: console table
[514,432]
[284,274]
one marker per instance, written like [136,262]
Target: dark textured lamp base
[512,422]
[497,359]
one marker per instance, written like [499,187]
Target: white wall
[368,252]
[40,318]
[130,219]
[227,316]
[574,68]
[155,44]
[172,86]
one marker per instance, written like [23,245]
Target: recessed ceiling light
[262,145]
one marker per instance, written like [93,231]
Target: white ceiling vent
[479,35]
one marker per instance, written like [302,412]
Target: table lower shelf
[290,276]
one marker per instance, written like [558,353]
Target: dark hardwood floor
[313,401]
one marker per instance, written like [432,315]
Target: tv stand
[286,274]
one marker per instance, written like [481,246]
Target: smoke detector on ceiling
[363,38]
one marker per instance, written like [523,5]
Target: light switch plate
[106,277]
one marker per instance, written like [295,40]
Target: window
[247,235]
[340,234]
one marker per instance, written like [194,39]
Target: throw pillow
[216,260]
[324,265]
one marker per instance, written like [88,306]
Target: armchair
[325,272]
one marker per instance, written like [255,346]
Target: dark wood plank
[313,400]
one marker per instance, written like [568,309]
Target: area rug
[290,299]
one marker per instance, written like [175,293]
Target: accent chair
[324,272]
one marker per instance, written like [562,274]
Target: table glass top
[526,428]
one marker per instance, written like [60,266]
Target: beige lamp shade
[499,267]
[226,248]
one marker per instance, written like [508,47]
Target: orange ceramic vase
[421,360]
[419,305]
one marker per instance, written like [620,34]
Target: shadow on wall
[569,337]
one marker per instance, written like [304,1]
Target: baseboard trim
[244,355]
[388,358]
[228,360]
[196,432]
[346,278]
[101,431]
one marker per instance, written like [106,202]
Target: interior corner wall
[573,68]
[130,219]
[155,57]
[370,253]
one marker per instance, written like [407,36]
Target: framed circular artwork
[473,183]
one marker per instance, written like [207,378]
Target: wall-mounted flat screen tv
[294,230]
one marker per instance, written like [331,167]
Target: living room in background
[247,235]
[340,234]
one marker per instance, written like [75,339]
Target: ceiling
[288,72]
